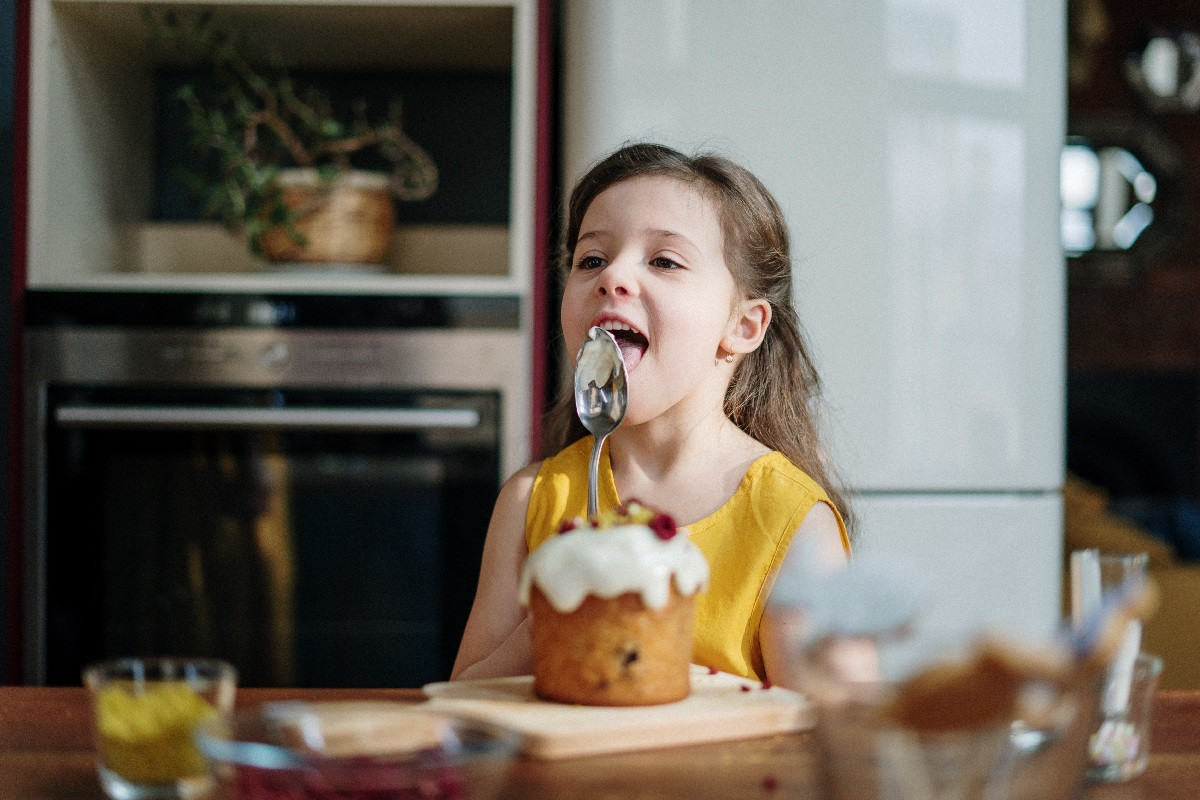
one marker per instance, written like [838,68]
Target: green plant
[252,120]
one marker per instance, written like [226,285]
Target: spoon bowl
[601,397]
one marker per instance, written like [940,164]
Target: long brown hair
[775,390]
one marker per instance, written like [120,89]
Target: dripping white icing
[610,562]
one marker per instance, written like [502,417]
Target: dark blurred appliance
[304,500]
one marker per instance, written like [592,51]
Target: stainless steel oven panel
[426,359]
[475,359]
[451,358]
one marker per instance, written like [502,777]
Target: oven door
[310,537]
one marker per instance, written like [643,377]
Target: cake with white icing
[612,605]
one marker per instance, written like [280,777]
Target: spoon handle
[594,477]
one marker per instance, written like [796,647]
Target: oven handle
[324,419]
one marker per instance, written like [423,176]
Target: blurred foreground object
[145,713]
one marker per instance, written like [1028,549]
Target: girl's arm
[496,640]
[820,526]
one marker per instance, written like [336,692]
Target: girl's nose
[618,279]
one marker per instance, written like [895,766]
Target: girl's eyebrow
[660,233]
[665,234]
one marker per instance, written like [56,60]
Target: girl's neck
[662,446]
[687,471]
[690,432]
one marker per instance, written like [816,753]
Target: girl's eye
[589,262]
[662,262]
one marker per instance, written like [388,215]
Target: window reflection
[1080,187]
[1106,198]
[980,44]
[1165,71]
[1124,195]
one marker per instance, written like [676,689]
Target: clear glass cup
[944,724]
[1117,568]
[144,713]
[862,755]
[1120,746]
[1095,575]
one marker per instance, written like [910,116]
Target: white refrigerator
[914,146]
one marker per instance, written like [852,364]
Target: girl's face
[649,266]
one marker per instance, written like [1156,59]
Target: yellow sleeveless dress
[744,541]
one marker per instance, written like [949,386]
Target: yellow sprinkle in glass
[145,712]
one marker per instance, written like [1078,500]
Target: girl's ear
[747,327]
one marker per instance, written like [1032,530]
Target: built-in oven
[307,503]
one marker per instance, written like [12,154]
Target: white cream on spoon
[601,397]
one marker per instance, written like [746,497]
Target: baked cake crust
[613,651]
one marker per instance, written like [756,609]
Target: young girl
[685,260]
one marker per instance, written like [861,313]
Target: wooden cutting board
[721,707]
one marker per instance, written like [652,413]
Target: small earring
[729,358]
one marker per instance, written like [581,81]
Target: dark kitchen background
[1133,383]
[8,23]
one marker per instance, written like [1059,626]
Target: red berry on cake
[663,526]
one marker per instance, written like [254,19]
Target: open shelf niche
[95,183]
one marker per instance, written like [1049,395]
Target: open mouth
[633,343]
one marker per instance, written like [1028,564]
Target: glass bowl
[865,753]
[354,751]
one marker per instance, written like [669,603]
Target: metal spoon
[601,396]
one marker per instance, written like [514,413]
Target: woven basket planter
[348,221]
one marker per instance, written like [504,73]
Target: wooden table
[46,754]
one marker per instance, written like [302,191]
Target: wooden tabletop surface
[46,754]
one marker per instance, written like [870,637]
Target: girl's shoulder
[521,481]
[569,458]
[513,500]
[521,484]
[781,485]
[776,472]
[773,493]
